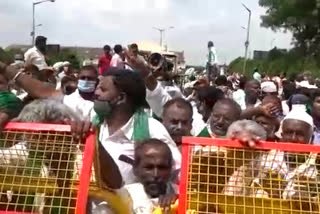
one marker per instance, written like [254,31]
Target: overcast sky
[98,22]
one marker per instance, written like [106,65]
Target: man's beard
[155,189]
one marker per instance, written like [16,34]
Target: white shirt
[83,108]
[159,97]
[116,61]
[120,143]
[35,57]
[240,97]
[214,59]
[141,202]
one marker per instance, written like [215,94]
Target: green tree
[6,56]
[301,17]
[66,54]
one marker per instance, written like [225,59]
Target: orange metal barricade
[221,176]
[43,169]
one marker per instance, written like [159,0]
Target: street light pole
[162,31]
[248,38]
[33,33]
[33,23]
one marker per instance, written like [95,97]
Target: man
[316,115]
[212,61]
[270,124]
[177,118]
[135,51]
[224,113]
[10,105]
[268,88]
[18,61]
[53,112]
[222,83]
[36,54]
[69,85]
[80,101]
[252,92]
[297,127]
[67,70]
[256,75]
[118,58]
[104,61]
[120,99]
[207,98]
[153,165]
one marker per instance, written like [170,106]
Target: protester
[177,118]
[69,85]
[105,60]
[222,84]
[36,54]
[67,70]
[270,124]
[207,98]
[118,58]
[10,105]
[297,127]
[252,93]
[256,75]
[81,101]
[224,113]
[316,116]
[212,61]
[120,99]
[134,49]
[153,166]
[268,88]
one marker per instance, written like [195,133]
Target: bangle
[16,76]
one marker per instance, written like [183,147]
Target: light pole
[248,37]
[161,31]
[33,32]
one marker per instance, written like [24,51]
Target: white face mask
[87,86]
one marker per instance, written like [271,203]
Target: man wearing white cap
[269,88]
[297,127]
[66,70]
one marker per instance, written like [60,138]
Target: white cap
[299,112]
[268,87]
[66,63]
[306,84]
[57,66]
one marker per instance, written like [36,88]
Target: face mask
[102,108]
[87,86]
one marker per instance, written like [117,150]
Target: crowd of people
[141,122]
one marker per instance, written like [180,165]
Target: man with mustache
[177,118]
[153,164]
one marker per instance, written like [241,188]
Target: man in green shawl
[10,105]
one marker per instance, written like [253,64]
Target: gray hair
[247,126]
[46,111]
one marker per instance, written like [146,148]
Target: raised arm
[33,87]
